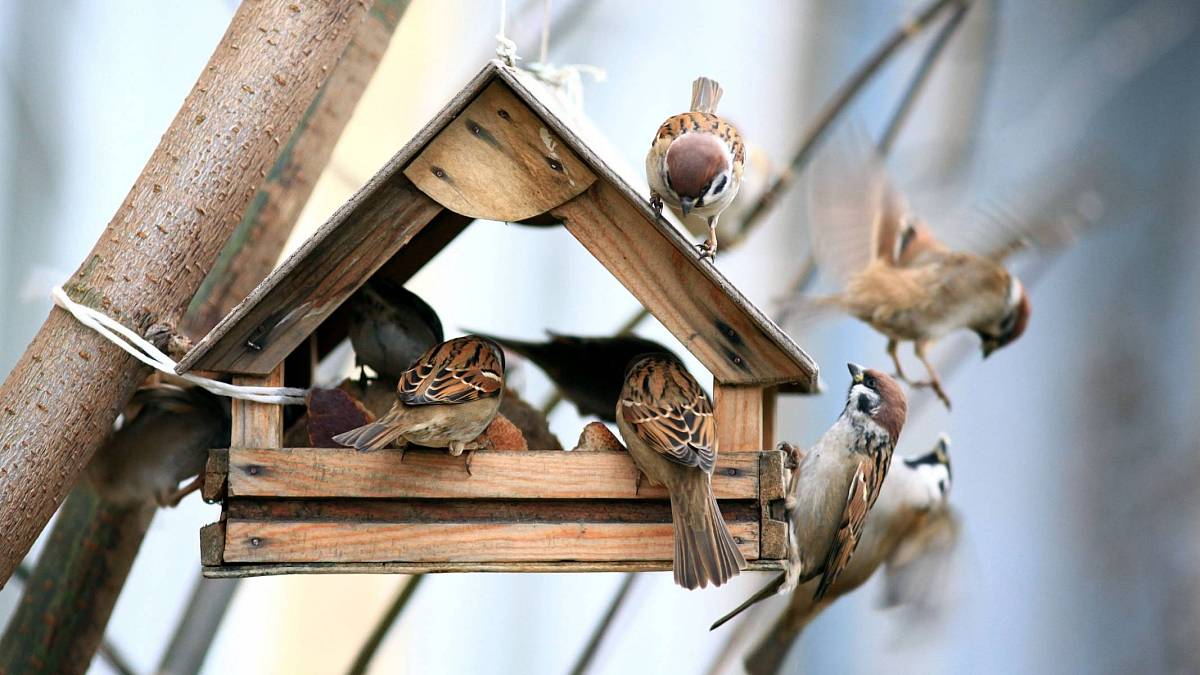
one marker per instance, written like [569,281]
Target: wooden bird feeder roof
[501,150]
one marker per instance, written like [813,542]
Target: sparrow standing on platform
[667,421]
[696,161]
[446,399]
[837,483]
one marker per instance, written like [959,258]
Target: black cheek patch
[864,404]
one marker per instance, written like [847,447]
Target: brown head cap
[693,162]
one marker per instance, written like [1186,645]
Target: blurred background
[1076,466]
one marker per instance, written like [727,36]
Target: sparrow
[903,280]
[164,439]
[390,327]
[903,536]
[445,400]
[666,420]
[835,484]
[695,162]
[588,371]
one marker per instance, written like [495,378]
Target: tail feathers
[373,436]
[706,94]
[763,593]
[705,552]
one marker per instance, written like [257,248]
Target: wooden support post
[257,425]
[740,417]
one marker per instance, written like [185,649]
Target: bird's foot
[637,484]
[468,455]
[656,204]
[935,385]
[708,250]
[173,497]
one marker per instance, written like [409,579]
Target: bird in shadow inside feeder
[667,422]
[390,327]
[695,162]
[445,400]
[836,483]
[912,533]
[588,371]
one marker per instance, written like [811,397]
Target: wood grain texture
[345,472]
[58,403]
[254,425]
[216,474]
[773,529]
[498,161]
[212,543]
[740,416]
[240,571]
[301,541]
[310,285]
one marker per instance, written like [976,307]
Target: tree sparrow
[903,534]
[390,327]
[666,419]
[446,399]
[835,485]
[588,371]
[695,162]
[901,279]
[165,439]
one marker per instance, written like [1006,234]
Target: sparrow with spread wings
[667,421]
[445,400]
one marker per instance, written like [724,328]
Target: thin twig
[198,626]
[589,650]
[367,651]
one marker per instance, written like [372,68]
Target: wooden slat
[424,246]
[345,472]
[498,161]
[212,543]
[282,541]
[216,474]
[253,424]
[555,567]
[666,278]
[739,413]
[773,530]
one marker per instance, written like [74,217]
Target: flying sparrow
[667,421]
[165,439]
[588,371]
[903,533]
[695,162]
[446,399]
[905,282]
[390,327]
[835,485]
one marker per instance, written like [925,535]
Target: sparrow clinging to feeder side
[390,326]
[667,421]
[695,162]
[912,534]
[445,400]
[588,371]
[836,483]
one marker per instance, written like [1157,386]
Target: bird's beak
[856,372]
[686,204]
[988,348]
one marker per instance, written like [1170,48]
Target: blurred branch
[367,651]
[198,626]
[584,662]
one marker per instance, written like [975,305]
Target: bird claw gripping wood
[708,250]
[656,204]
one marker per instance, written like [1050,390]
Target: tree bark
[58,404]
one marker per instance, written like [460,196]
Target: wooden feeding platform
[502,149]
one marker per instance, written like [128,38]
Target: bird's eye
[870,382]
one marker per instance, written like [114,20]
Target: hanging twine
[140,349]
[506,49]
[566,79]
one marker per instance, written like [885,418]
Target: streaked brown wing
[864,489]
[670,413]
[457,371]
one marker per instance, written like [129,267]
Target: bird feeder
[500,150]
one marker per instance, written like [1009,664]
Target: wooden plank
[300,541]
[424,246]
[228,571]
[666,278]
[773,531]
[739,412]
[216,474]
[548,474]
[293,304]
[257,424]
[212,543]
[498,161]
[769,405]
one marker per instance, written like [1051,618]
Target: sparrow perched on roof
[667,422]
[906,534]
[390,327]
[695,162]
[901,279]
[165,439]
[445,400]
[835,485]
[588,371]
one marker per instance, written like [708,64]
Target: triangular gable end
[501,151]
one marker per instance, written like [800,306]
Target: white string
[140,349]
[566,79]
[545,50]
[506,49]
